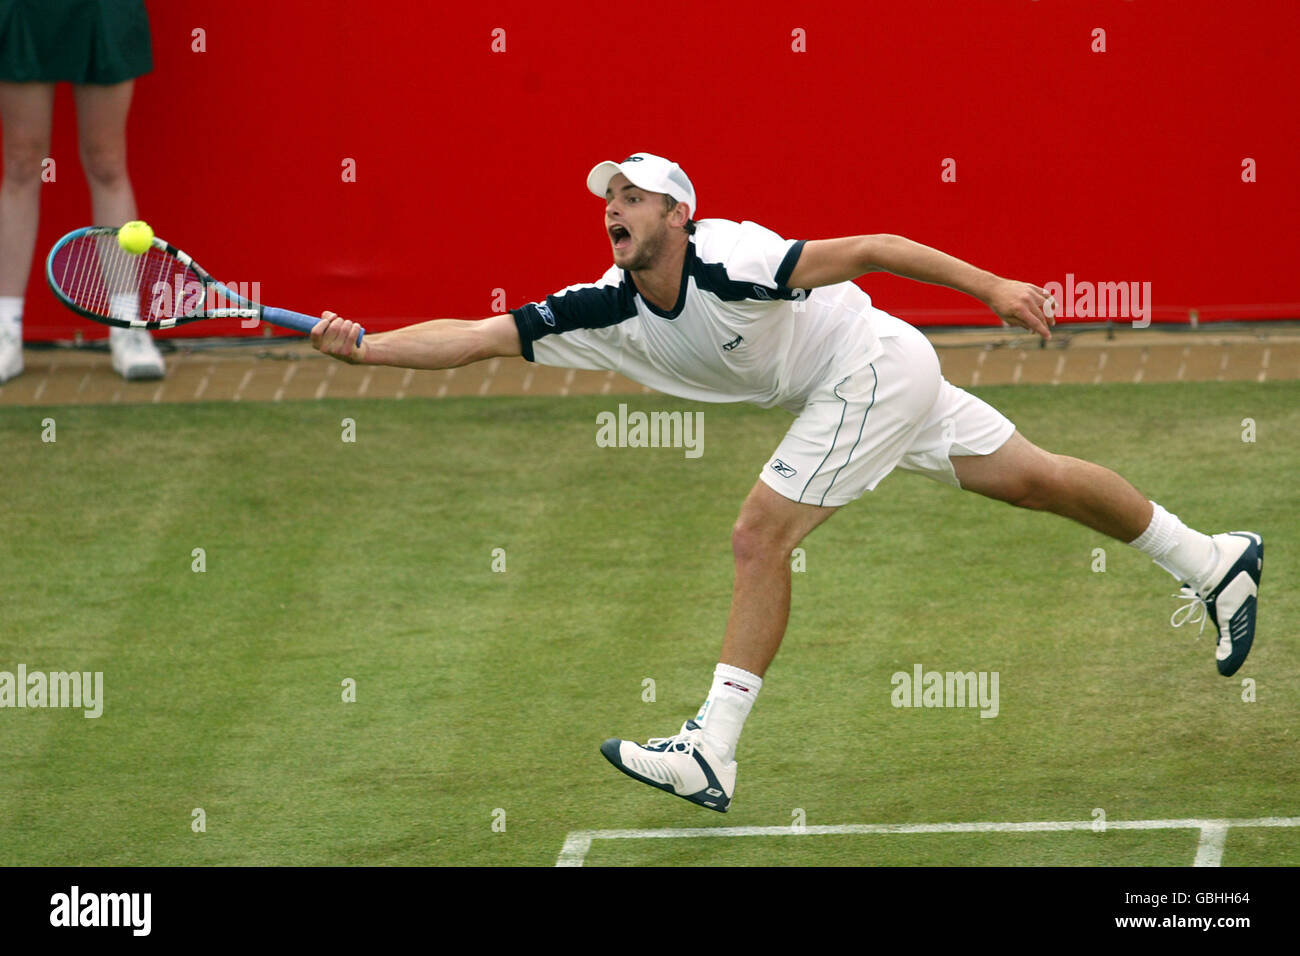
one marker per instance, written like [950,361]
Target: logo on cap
[634,159]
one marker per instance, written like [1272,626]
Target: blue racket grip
[296,321]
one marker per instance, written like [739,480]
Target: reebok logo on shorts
[782,469]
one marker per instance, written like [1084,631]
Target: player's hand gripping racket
[162,287]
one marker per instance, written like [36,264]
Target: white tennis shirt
[738,332]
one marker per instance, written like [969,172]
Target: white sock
[728,704]
[11,308]
[1182,551]
[124,305]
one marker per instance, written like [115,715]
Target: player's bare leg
[698,763]
[768,529]
[1022,474]
[101,137]
[26,110]
[1220,574]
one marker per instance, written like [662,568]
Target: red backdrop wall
[470,164]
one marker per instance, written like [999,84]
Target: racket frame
[245,308]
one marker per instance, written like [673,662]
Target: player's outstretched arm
[440,343]
[828,261]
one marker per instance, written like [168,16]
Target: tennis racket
[160,288]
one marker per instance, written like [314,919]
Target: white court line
[1209,851]
[325,382]
[489,375]
[1142,366]
[1060,367]
[243,383]
[284,382]
[203,382]
[1101,364]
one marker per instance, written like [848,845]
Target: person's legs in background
[26,111]
[101,136]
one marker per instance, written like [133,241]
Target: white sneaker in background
[135,356]
[11,350]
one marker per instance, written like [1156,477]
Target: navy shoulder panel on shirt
[577,307]
[714,277]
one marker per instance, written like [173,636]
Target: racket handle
[296,321]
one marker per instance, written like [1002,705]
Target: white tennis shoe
[11,350]
[1230,601]
[684,765]
[134,354]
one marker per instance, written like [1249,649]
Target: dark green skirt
[75,41]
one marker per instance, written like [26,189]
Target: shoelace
[676,743]
[1192,611]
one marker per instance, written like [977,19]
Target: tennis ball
[135,237]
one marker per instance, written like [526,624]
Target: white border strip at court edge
[1209,850]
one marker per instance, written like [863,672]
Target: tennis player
[720,311]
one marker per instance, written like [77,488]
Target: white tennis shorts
[899,412]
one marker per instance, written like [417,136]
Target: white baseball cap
[652,173]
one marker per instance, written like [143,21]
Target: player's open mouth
[620,236]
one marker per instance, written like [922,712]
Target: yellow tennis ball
[135,237]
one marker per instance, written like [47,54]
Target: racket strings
[98,275]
